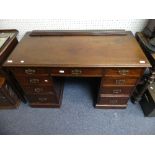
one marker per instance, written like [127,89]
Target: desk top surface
[78,51]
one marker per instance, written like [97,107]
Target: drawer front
[38,89]
[77,71]
[119,81]
[41,99]
[116,90]
[124,72]
[29,71]
[33,80]
[113,100]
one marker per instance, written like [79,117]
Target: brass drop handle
[30,71]
[76,71]
[123,71]
[42,99]
[33,81]
[117,91]
[119,82]
[38,90]
[113,101]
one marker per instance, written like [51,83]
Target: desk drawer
[38,89]
[116,90]
[28,71]
[119,81]
[33,80]
[134,72]
[77,71]
[113,100]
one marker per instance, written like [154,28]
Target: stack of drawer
[116,86]
[40,89]
[8,99]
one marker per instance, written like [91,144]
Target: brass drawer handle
[42,99]
[30,71]
[76,71]
[33,81]
[117,91]
[118,82]
[113,101]
[123,71]
[38,90]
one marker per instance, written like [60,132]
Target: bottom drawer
[42,99]
[113,100]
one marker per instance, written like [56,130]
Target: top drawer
[77,72]
[28,71]
[134,72]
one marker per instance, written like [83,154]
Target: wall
[24,25]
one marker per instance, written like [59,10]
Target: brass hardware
[30,71]
[38,90]
[117,91]
[113,101]
[33,81]
[119,82]
[76,71]
[42,99]
[123,71]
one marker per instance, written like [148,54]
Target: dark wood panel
[35,33]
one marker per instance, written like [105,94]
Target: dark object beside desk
[8,91]
[40,62]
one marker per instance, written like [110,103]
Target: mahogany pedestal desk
[43,58]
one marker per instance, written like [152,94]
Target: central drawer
[96,72]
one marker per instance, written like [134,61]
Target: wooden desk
[41,59]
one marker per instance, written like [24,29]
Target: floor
[76,116]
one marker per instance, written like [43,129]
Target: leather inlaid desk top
[78,51]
